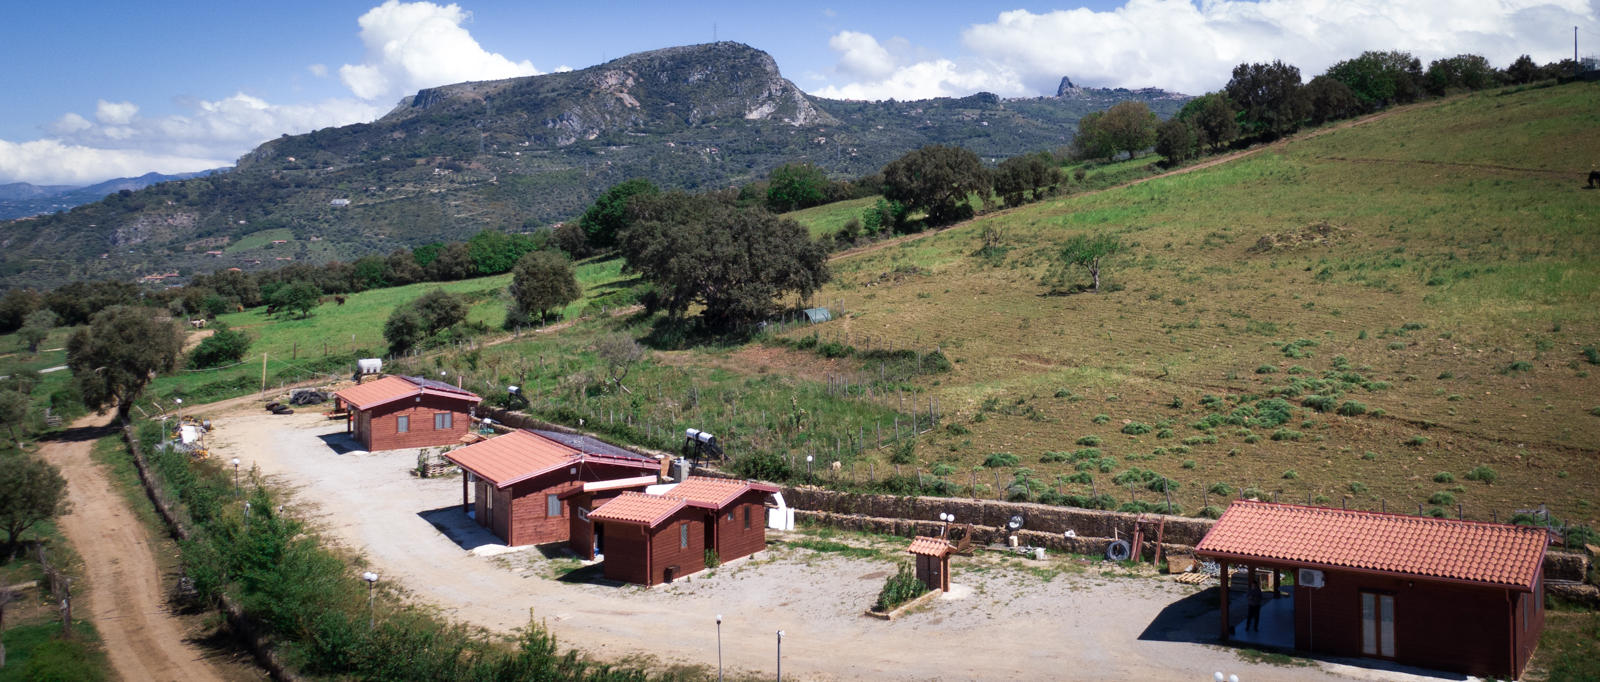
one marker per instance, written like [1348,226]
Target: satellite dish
[1016,522]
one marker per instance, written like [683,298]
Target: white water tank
[369,365]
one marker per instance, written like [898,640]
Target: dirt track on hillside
[125,599]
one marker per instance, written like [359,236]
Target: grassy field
[828,218]
[256,240]
[1453,290]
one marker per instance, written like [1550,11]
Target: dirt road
[125,598]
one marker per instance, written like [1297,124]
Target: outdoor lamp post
[247,518]
[719,647]
[372,614]
[780,654]
[808,468]
[179,408]
[236,475]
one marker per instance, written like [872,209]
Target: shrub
[1320,403]
[1063,393]
[1001,459]
[1211,402]
[1054,457]
[1167,433]
[1417,441]
[1200,440]
[1222,489]
[712,561]
[1447,375]
[1266,369]
[1091,441]
[1442,498]
[1444,477]
[1483,474]
[1351,408]
[1136,428]
[1287,434]
[955,429]
[762,465]
[224,347]
[1520,366]
[1210,512]
[1188,464]
[1291,474]
[906,453]
[1398,345]
[1176,404]
[1252,439]
[900,588]
[1591,354]
[1297,369]
[1100,419]
[943,470]
[1358,487]
[1454,398]
[1082,477]
[1369,456]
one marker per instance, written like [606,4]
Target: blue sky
[101,89]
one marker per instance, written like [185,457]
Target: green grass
[828,218]
[256,240]
[21,641]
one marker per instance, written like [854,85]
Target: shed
[818,315]
[582,536]
[1458,596]
[407,412]
[933,558]
[514,482]
[655,538]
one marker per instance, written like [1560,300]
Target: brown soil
[125,599]
[195,339]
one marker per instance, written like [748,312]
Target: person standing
[1253,600]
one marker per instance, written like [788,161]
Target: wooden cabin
[1458,596]
[514,483]
[583,538]
[406,412]
[655,538]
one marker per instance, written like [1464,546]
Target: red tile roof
[630,507]
[516,456]
[390,389]
[710,492]
[927,546]
[1424,547]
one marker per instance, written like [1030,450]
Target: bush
[1221,489]
[955,429]
[1000,460]
[1136,428]
[1520,366]
[1357,487]
[1351,408]
[1188,464]
[1444,477]
[1291,474]
[763,465]
[1483,474]
[906,453]
[1063,393]
[1287,434]
[712,561]
[1591,354]
[900,588]
[1417,441]
[224,347]
[1210,512]
[1320,403]
[1398,345]
[1369,456]
[1167,433]
[1091,441]
[1100,419]
[1266,369]
[1442,498]
[1054,457]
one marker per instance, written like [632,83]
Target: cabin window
[443,421]
[683,535]
[1377,625]
[402,424]
[747,517]
[552,505]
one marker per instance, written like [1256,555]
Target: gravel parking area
[1009,619]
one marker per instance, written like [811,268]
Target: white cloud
[418,45]
[1181,45]
[115,113]
[214,134]
[900,71]
[1192,46]
[318,70]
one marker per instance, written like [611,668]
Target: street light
[372,614]
[780,656]
[719,647]
[236,475]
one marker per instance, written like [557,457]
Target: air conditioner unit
[1309,578]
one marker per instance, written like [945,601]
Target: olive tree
[542,281]
[116,356]
[936,179]
[1089,251]
[36,327]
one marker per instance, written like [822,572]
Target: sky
[98,89]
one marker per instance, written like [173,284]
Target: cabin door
[1377,625]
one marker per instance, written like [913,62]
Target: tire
[272,406]
[1118,550]
[283,410]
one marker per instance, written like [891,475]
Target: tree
[735,263]
[77,301]
[620,353]
[426,315]
[31,491]
[570,237]
[372,272]
[1092,140]
[452,262]
[115,357]
[494,252]
[936,179]
[1461,72]
[1129,127]
[1521,71]
[1330,100]
[794,186]
[1090,251]
[301,297]
[1018,176]
[225,346]
[401,268]
[15,306]
[426,253]
[1215,120]
[1175,140]
[14,407]
[36,328]
[608,217]
[1270,97]
[541,282]
[1380,79]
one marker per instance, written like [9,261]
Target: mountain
[20,199]
[1110,96]
[515,154]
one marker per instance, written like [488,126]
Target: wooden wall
[1438,625]
[666,547]
[627,547]
[525,509]
[733,541]
[382,434]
